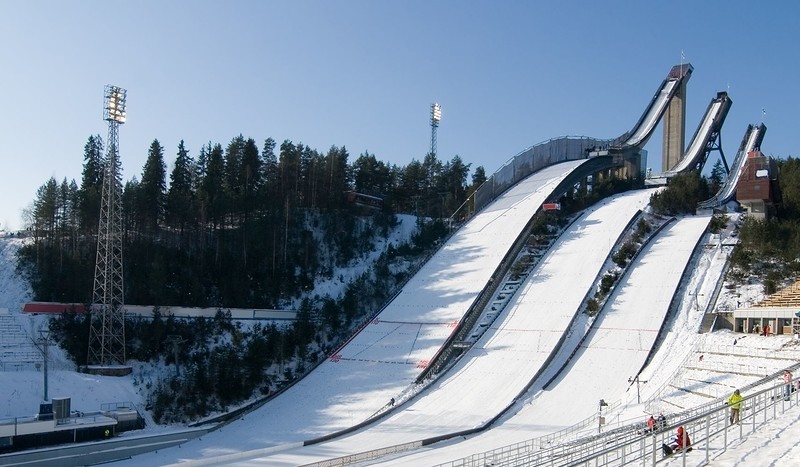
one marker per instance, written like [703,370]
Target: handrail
[594,448]
[753,137]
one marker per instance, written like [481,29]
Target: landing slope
[615,350]
[498,368]
[390,352]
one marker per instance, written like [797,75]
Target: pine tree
[331,178]
[289,166]
[152,188]
[73,222]
[233,180]
[46,211]
[211,185]
[251,176]
[309,177]
[371,176]
[717,177]
[91,184]
[789,183]
[131,219]
[179,208]
[412,189]
[452,184]
[478,177]
[270,176]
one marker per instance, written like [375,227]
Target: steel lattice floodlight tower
[107,331]
[436,116]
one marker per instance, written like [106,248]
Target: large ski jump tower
[675,124]
[107,330]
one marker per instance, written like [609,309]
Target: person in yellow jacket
[735,401]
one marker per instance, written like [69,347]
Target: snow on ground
[334,286]
[678,356]
[23,390]
[507,357]
[385,358]
[14,290]
[775,444]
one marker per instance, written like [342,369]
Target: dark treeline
[237,226]
[234,226]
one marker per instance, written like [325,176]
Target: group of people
[764,332]
[654,423]
[682,442]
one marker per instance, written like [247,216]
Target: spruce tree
[233,180]
[211,186]
[270,177]
[179,208]
[152,188]
[91,184]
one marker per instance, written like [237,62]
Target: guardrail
[703,428]
[631,444]
[624,432]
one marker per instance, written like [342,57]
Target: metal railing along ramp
[753,137]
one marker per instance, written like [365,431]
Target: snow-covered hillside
[777,438]
[24,384]
[24,388]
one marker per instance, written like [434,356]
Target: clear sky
[362,74]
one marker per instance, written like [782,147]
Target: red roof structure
[53,308]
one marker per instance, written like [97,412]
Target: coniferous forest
[236,227]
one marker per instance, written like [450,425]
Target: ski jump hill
[343,407]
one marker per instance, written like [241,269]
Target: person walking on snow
[787,378]
[735,401]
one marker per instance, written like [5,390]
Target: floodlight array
[115,98]
[436,113]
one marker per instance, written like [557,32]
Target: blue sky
[362,74]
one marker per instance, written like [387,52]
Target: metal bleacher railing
[632,444]
[567,445]
[17,352]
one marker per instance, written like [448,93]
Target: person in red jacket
[682,440]
[681,443]
[651,424]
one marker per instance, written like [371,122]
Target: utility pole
[42,344]
[600,419]
[635,379]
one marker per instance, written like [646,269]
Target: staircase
[16,348]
